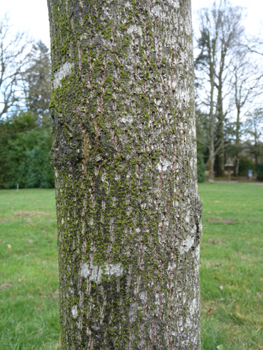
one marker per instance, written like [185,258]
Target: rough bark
[124,154]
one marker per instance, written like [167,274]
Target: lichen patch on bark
[94,272]
[61,73]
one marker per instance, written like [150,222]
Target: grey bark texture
[124,154]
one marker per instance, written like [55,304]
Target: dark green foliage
[200,167]
[25,152]
[260,172]
[37,82]
[25,138]
[245,164]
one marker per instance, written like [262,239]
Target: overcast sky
[32,15]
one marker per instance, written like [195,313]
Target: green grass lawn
[28,252]
[231,268]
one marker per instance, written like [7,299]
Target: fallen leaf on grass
[55,294]
[4,220]
[260,294]
[217,265]
[5,285]
[216,201]
[213,241]
[209,311]
[30,241]
[9,246]
[261,279]
[225,221]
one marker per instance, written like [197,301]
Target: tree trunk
[212,128]
[124,154]
[211,54]
[237,143]
[220,132]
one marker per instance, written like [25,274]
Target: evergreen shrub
[260,172]
[245,164]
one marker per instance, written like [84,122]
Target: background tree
[13,59]
[254,125]
[25,152]
[247,85]
[220,29]
[124,154]
[25,137]
[37,84]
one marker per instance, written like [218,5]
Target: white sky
[32,15]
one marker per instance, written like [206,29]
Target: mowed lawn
[231,268]
[29,317]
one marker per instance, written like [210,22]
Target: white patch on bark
[197,252]
[193,307]
[61,73]
[163,165]
[74,311]
[157,10]
[84,36]
[143,296]
[95,272]
[128,119]
[174,3]
[135,29]
[186,245]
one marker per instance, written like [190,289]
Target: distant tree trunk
[124,154]
[220,130]
[220,30]
[212,122]
[237,143]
